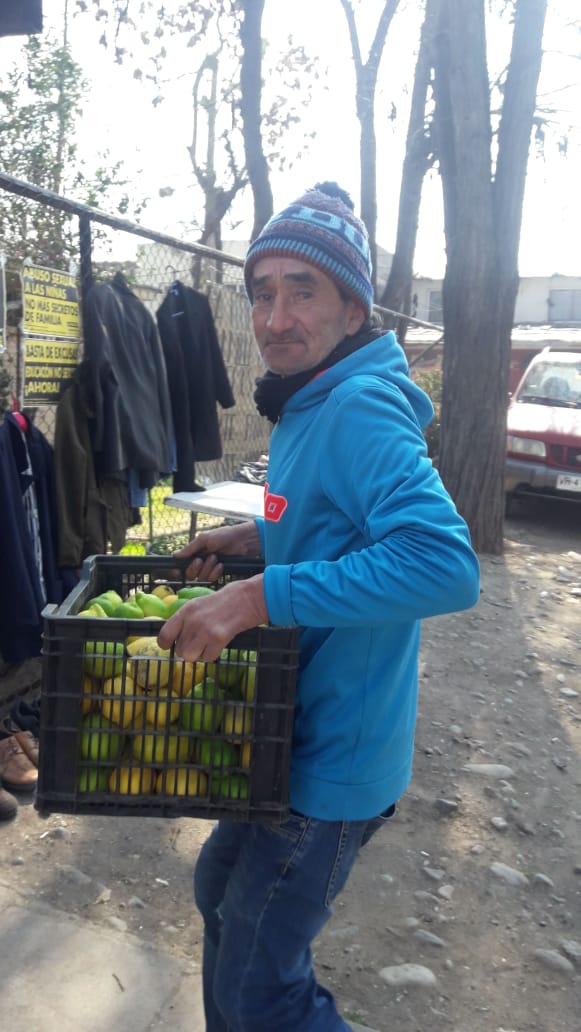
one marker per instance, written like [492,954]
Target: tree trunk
[398,289]
[482,227]
[366,82]
[251,90]
[368,164]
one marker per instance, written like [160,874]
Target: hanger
[20,419]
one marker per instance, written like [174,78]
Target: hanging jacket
[132,423]
[197,378]
[26,585]
[93,511]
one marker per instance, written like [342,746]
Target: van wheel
[509,504]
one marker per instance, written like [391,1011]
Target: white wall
[532,299]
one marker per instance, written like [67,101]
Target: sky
[153,142]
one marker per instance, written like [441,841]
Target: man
[360,542]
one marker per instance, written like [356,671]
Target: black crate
[232,742]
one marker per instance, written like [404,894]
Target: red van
[543,439]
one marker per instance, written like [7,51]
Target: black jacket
[21,598]
[197,378]
[132,423]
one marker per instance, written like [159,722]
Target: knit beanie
[320,228]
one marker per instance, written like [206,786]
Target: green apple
[100,740]
[92,779]
[201,709]
[94,610]
[108,602]
[151,605]
[128,611]
[214,752]
[96,662]
[151,748]
[248,682]
[194,591]
[230,786]
[174,606]
[228,669]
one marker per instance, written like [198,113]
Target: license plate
[568,482]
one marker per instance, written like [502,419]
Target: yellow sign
[51,303]
[50,332]
[47,364]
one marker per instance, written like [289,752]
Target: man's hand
[203,626]
[240,539]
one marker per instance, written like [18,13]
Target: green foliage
[430,380]
[41,100]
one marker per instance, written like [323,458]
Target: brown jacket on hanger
[92,511]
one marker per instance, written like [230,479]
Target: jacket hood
[382,358]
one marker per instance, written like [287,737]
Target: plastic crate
[226,745]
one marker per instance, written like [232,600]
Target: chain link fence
[156,261]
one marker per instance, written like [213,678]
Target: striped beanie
[320,228]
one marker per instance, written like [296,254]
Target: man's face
[298,314]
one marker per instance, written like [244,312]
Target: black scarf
[273,391]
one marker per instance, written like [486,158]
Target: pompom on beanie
[321,229]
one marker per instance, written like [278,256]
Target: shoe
[17,773]
[27,741]
[8,805]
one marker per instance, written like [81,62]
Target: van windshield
[552,383]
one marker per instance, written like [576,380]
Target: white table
[229,499]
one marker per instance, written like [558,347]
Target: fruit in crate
[182,781]
[215,752]
[162,591]
[173,603]
[94,610]
[228,669]
[185,676]
[118,704]
[237,720]
[151,605]
[103,658]
[245,755]
[161,749]
[100,740]
[194,591]
[248,680]
[128,611]
[230,786]
[132,780]
[162,708]
[92,779]
[150,665]
[89,688]
[108,600]
[201,709]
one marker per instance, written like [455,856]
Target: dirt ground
[477,880]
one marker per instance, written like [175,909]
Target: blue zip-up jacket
[361,541]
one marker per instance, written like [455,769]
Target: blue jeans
[265,891]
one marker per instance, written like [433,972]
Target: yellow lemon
[185,781]
[132,780]
[151,748]
[236,721]
[88,688]
[185,676]
[162,591]
[162,709]
[150,665]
